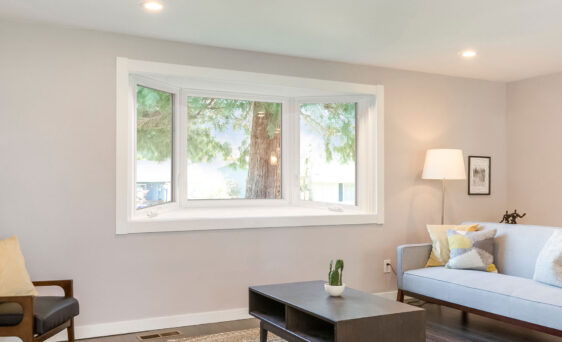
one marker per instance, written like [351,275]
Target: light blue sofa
[510,295]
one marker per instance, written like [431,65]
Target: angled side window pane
[233,149]
[328,152]
[154,147]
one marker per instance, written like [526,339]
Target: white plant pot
[334,291]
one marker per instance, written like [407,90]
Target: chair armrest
[411,257]
[66,285]
[26,303]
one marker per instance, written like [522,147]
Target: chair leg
[70,331]
[400,296]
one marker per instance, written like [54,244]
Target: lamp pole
[443,201]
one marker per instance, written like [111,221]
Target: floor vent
[159,335]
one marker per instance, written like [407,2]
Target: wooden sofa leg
[464,317]
[70,331]
[400,296]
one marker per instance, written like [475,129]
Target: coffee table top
[310,296]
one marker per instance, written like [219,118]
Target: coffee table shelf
[304,312]
[271,319]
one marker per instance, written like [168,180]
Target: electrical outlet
[387,266]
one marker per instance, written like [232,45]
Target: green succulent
[336,273]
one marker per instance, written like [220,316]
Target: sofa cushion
[440,245]
[472,250]
[548,268]
[515,297]
[49,312]
[517,246]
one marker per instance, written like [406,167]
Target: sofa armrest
[66,286]
[411,257]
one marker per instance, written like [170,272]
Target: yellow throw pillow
[14,279]
[440,248]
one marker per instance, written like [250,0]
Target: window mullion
[291,150]
[182,148]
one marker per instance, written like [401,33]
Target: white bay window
[201,148]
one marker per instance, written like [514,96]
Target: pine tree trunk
[264,176]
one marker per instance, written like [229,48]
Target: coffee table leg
[263,333]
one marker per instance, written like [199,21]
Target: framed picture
[479,175]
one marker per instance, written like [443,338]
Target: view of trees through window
[328,152]
[233,149]
[154,147]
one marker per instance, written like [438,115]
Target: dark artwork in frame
[479,175]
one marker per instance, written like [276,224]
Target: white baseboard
[166,322]
[388,295]
[392,296]
[155,323]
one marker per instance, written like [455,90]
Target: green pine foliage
[335,122]
[209,116]
[154,124]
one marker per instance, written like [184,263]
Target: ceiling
[515,39]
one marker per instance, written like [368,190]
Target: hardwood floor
[191,331]
[443,325]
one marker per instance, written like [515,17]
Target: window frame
[289,211]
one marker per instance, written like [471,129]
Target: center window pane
[328,153]
[233,149]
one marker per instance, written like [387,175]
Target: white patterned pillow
[548,268]
[472,250]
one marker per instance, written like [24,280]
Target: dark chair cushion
[49,312]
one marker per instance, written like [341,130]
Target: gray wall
[57,142]
[534,116]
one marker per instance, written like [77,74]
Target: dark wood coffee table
[304,312]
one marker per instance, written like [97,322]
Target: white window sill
[246,217]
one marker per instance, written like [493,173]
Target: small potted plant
[335,286]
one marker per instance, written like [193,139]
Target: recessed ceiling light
[153,6]
[468,53]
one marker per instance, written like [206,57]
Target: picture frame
[479,175]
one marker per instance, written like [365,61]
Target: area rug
[248,335]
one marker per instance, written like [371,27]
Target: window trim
[287,212]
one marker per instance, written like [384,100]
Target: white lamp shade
[444,164]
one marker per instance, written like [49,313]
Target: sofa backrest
[517,246]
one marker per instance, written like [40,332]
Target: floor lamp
[444,164]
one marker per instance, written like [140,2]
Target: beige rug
[249,335]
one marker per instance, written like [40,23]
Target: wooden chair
[35,319]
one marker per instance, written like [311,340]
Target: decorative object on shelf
[335,286]
[444,164]
[479,175]
[511,218]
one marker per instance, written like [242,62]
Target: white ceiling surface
[515,39]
